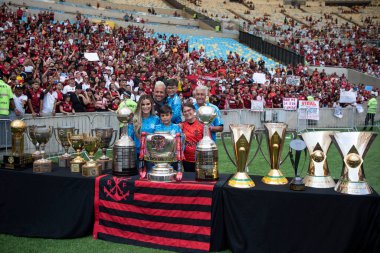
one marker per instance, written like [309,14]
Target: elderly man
[200,94]
[159,96]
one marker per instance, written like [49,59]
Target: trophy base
[17,162]
[42,166]
[162,174]
[319,181]
[353,188]
[241,180]
[274,177]
[106,165]
[203,174]
[91,170]
[76,167]
[64,162]
[297,184]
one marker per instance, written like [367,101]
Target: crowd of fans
[44,62]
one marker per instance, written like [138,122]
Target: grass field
[259,166]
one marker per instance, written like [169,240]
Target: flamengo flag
[171,216]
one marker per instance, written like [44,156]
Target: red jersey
[35,97]
[67,107]
[193,133]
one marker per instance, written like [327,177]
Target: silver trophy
[124,150]
[162,149]
[30,130]
[107,137]
[353,147]
[318,174]
[42,135]
[206,154]
[61,135]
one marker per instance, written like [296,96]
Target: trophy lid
[297,145]
[206,114]
[124,115]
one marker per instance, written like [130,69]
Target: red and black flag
[171,216]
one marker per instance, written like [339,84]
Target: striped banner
[170,216]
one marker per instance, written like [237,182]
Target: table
[274,219]
[183,217]
[58,204]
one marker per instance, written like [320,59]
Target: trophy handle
[56,136]
[225,148]
[68,138]
[260,147]
[114,137]
[76,130]
[259,141]
[294,135]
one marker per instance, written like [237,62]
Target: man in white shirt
[49,102]
[70,88]
[20,100]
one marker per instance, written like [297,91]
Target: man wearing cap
[78,100]
[6,98]
[371,112]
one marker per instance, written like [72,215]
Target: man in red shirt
[247,97]
[35,98]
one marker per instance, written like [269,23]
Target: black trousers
[369,117]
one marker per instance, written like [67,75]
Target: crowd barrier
[351,120]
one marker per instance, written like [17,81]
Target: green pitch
[11,244]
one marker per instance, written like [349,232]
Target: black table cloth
[274,219]
[184,217]
[59,204]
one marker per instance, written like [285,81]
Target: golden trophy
[241,137]
[107,137]
[353,147]
[61,135]
[43,135]
[30,130]
[17,160]
[91,145]
[275,136]
[206,154]
[318,174]
[77,142]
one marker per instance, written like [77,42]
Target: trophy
[91,145]
[275,135]
[31,135]
[77,142]
[241,136]
[42,135]
[61,135]
[161,148]
[206,153]
[17,160]
[318,174]
[297,145]
[353,147]
[105,137]
[124,150]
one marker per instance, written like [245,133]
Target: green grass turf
[259,166]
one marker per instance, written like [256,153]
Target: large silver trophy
[206,154]
[107,137]
[124,150]
[42,135]
[31,135]
[241,137]
[353,146]
[61,135]
[162,149]
[275,136]
[318,174]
